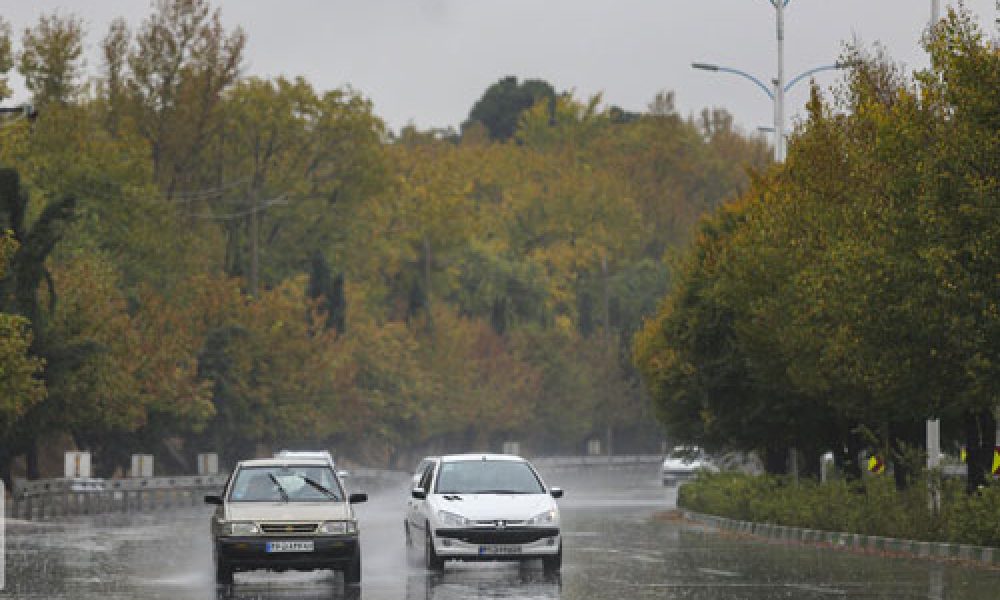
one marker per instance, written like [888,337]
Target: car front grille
[512,535]
[288,528]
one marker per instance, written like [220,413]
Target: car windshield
[488,477]
[687,454]
[286,483]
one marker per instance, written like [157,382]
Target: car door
[418,506]
[411,504]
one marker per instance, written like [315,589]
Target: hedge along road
[615,548]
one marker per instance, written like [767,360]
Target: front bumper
[511,543]
[247,553]
[671,477]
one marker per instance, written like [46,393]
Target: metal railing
[47,498]
[42,499]
[619,461]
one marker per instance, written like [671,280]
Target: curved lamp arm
[720,69]
[805,74]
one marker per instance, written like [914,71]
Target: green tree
[51,59]
[21,385]
[6,58]
[501,106]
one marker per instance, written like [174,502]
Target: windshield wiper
[500,492]
[281,490]
[320,487]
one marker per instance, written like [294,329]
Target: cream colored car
[285,514]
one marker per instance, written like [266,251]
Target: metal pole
[779,84]
[935,12]
[934,463]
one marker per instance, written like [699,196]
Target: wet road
[614,549]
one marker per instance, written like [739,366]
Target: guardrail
[46,498]
[42,499]
[50,498]
[576,462]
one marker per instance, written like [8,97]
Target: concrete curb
[986,556]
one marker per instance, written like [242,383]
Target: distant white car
[683,463]
[312,454]
[476,507]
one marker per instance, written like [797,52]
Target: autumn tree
[179,64]
[51,59]
[20,383]
[502,104]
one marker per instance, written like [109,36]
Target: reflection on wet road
[614,550]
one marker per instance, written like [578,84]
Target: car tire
[223,573]
[552,564]
[413,558]
[432,561]
[352,574]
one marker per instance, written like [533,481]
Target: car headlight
[549,517]
[243,529]
[450,519]
[338,527]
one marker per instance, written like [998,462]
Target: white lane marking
[718,572]
[820,589]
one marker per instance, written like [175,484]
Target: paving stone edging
[987,556]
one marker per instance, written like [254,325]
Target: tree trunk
[905,437]
[847,457]
[980,439]
[809,466]
[776,460]
[31,461]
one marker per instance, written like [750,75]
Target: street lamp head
[705,66]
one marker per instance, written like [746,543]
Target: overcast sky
[427,61]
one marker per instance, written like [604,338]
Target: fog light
[446,543]
[551,542]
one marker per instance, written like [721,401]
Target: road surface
[614,550]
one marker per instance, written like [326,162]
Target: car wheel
[552,564]
[413,558]
[353,572]
[432,561]
[223,573]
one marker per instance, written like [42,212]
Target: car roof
[324,454]
[481,456]
[277,462]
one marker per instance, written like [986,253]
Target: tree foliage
[503,103]
[854,290]
[213,262]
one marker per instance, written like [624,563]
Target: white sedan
[482,507]
[683,463]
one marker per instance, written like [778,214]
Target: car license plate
[305,546]
[499,549]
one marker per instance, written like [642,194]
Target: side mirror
[556,492]
[418,493]
[213,499]
[357,498]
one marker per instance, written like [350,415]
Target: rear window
[304,483]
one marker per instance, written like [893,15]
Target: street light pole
[778,87]
[775,93]
[779,82]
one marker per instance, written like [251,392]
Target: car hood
[288,511]
[679,464]
[484,507]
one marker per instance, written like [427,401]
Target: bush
[872,506]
